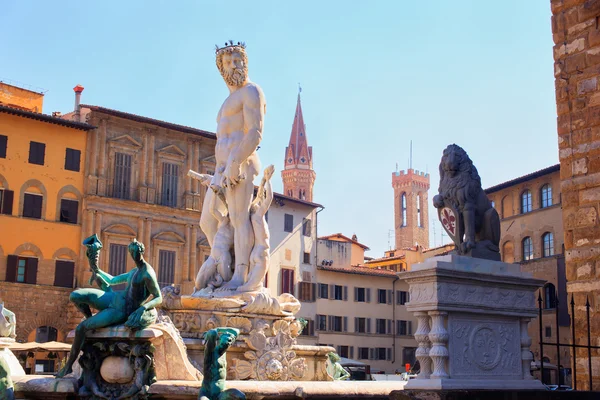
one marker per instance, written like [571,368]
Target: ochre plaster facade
[516,225]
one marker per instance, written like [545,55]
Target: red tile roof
[346,238]
[45,118]
[359,271]
[163,124]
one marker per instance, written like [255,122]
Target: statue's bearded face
[233,67]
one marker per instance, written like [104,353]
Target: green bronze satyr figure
[335,369]
[127,306]
[217,341]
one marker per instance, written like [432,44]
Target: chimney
[77,89]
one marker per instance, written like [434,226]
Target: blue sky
[375,75]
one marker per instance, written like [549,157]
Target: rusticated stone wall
[576,34]
[38,305]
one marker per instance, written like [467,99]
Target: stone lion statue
[477,225]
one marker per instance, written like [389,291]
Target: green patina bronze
[217,341]
[335,369]
[129,306]
[6,384]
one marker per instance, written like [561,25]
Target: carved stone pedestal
[119,363]
[472,323]
[265,349]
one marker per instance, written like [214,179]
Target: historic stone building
[360,310]
[137,187]
[298,174]
[411,208]
[576,35]
[532,235]
[42,160]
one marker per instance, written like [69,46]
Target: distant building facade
[532,235]
[42,162]
[358,310]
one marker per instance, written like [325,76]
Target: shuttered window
[307,291]
[306,227]
[68,211]
[3,145]
[63,273]
[118,262]
[287,281]
[288,223]
[6,201]
[37,153]
[21,269]
[32,205]
[323,291]
[309,329]
[122,179]
[170,176]
[166,268]
[73,160]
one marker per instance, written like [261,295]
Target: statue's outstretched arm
[112,280]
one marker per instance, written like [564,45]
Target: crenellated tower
[411,208]
[298,175]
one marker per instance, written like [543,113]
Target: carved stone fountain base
[119,362]
[472,323]
[265,349]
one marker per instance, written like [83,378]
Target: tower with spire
[298,175]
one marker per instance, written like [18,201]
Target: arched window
[45,334]
[548,240]
[419,223]
[549,296]
[525,202]
[507,209]
[508,252]
[546,195]
[403,205]
[527,249]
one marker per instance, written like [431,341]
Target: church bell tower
[298,175]
[411,208]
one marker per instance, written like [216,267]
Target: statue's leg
[238,200]
[208,223]
[232,394]
[84,298]
[106,317]
[259,261]
[207,270]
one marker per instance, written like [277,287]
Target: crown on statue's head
[230,45]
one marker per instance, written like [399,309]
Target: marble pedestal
[266,348]
[472,323]
[15,368]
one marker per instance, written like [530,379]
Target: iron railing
[572,345]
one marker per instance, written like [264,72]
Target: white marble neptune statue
[228,206]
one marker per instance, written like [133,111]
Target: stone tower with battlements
[298,175]
[411,208]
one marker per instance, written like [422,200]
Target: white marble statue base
[14,366]
[472,323]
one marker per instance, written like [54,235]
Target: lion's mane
[466,179]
